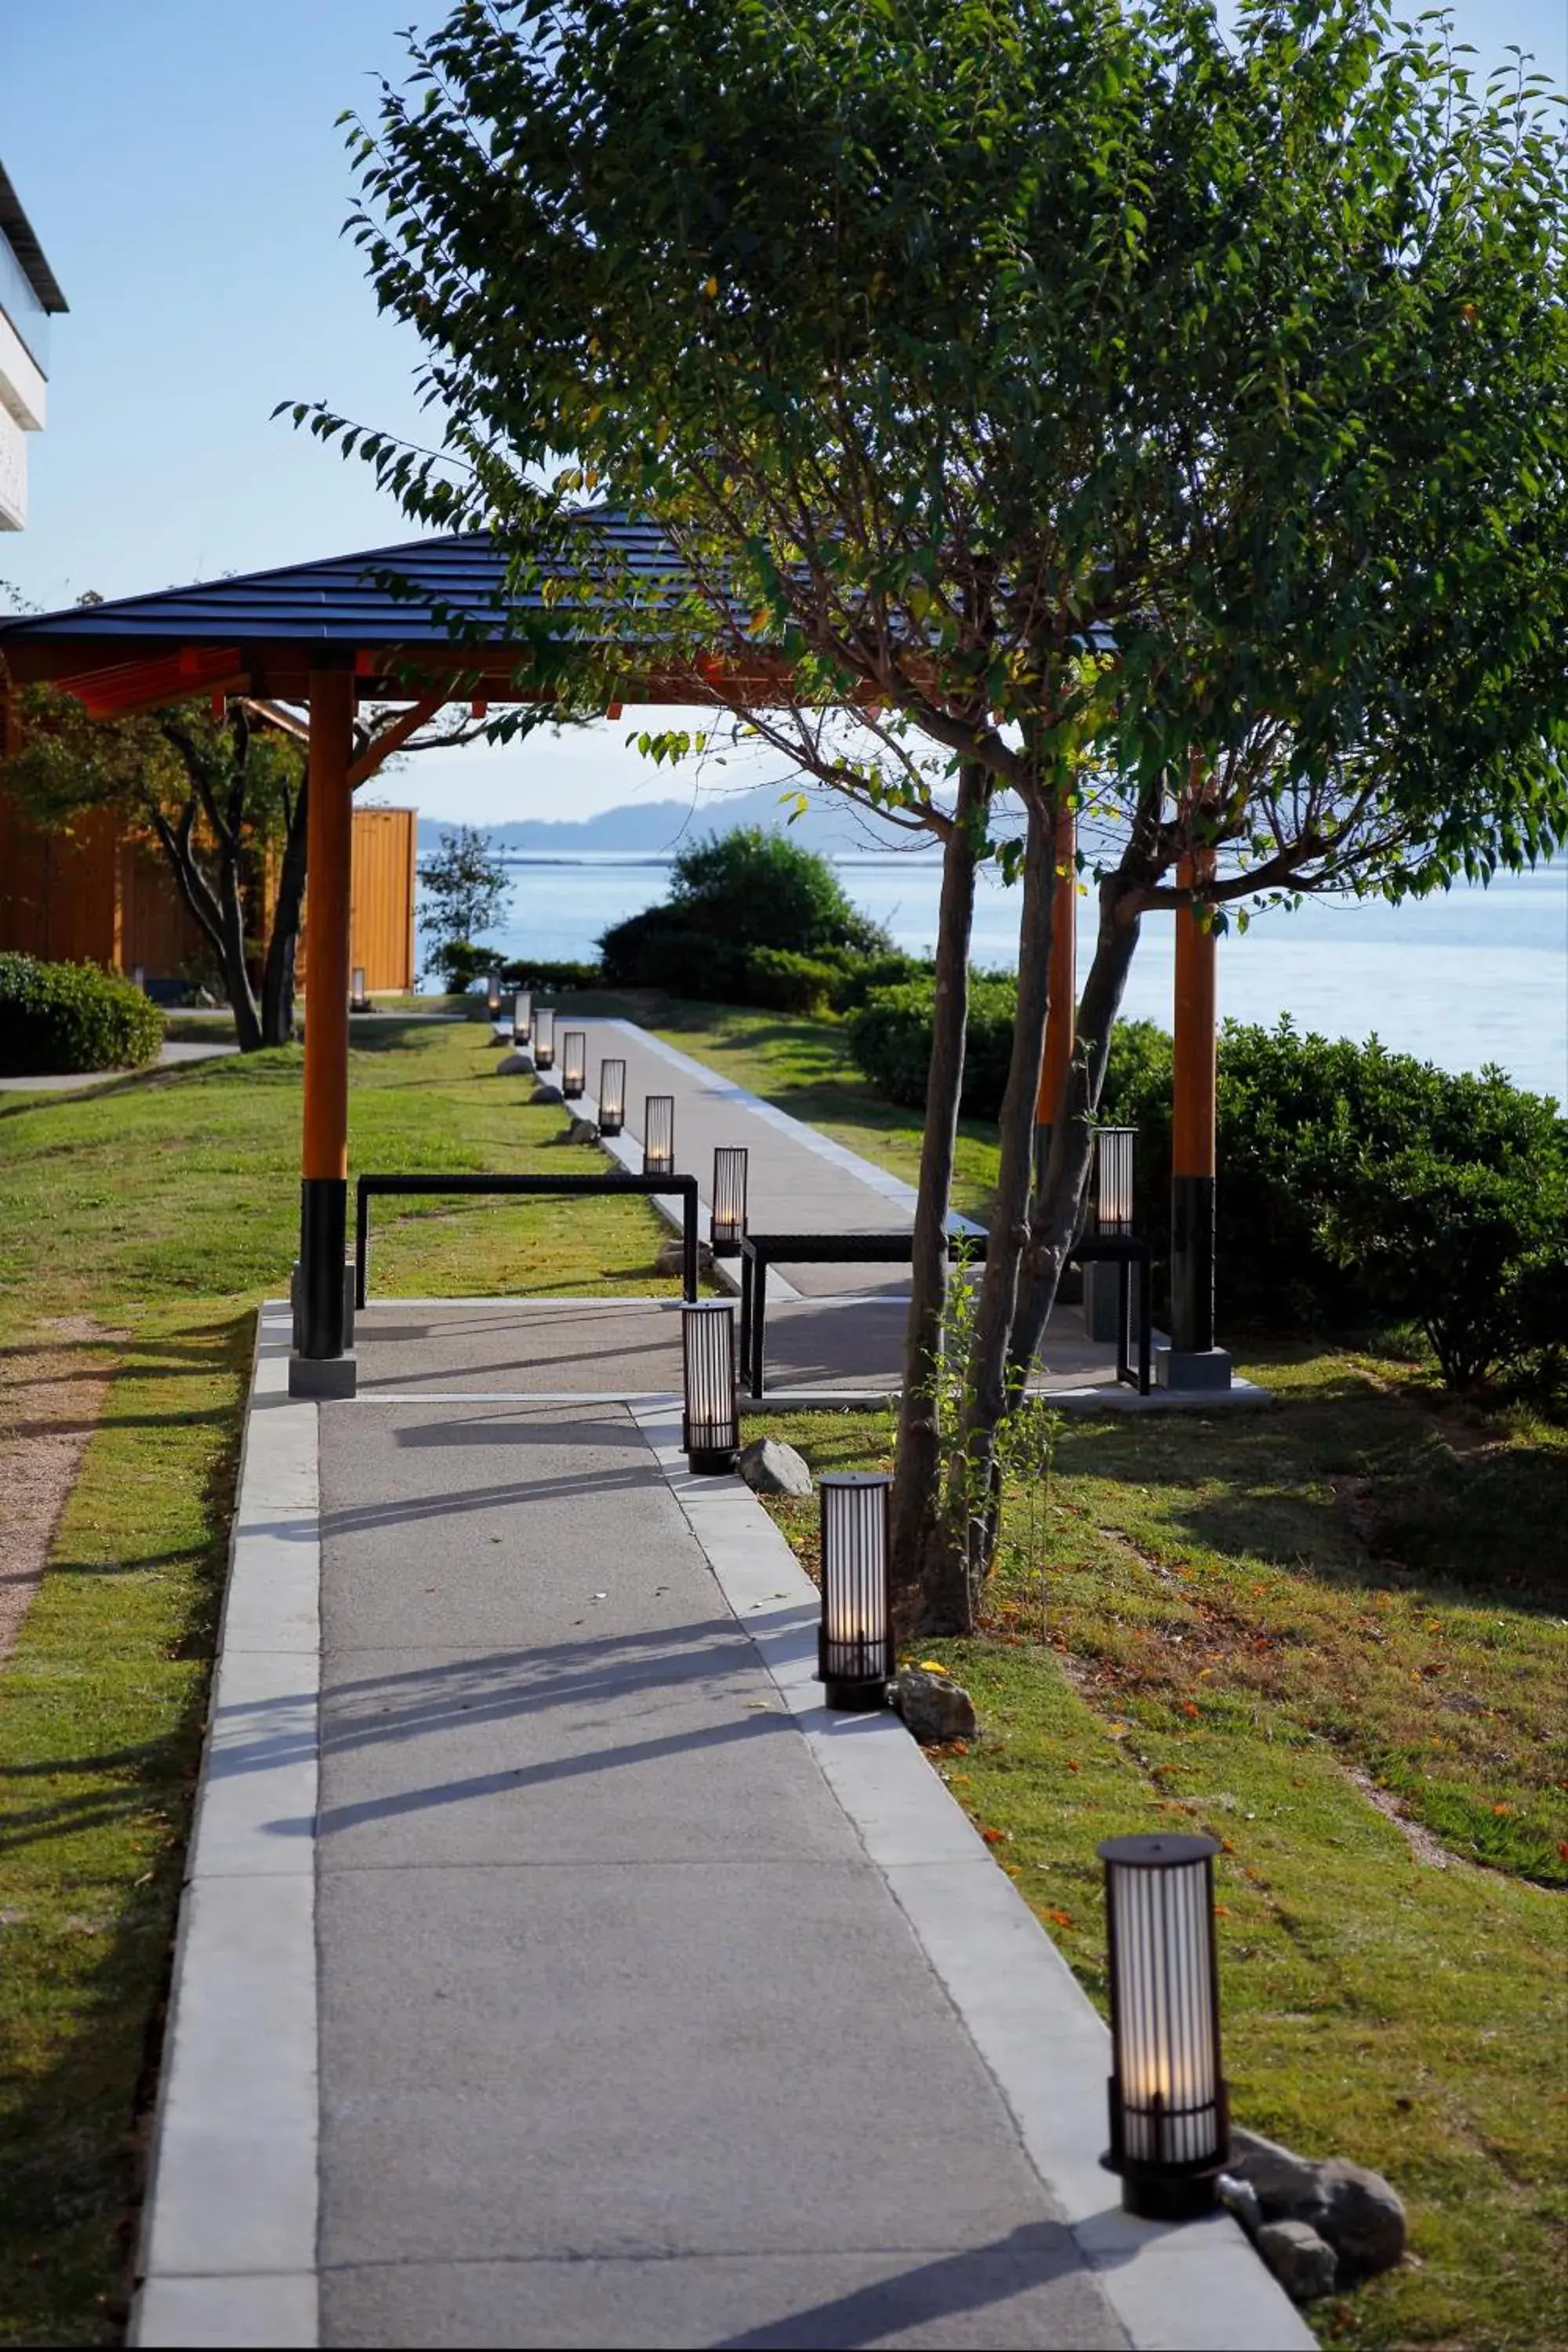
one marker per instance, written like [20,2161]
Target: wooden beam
[395,737]
[1061,1021]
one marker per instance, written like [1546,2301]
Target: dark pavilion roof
[19,234]
[417,612]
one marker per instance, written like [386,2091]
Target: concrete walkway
[169,1057]
[554,1971]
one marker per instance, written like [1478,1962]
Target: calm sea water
[1473,976]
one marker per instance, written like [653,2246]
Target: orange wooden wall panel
[106,896]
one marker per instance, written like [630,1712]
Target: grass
[1259,1625]
[166,1206]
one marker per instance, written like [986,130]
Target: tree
[466,891]
[1092,404]
[224,795]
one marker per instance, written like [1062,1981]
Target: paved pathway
[554,1971]
[75,1082]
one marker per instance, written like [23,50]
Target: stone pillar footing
[323,1378]
[1192,1368]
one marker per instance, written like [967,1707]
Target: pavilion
[438,620]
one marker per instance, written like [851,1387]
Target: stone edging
[228,2240]
[1199,2288]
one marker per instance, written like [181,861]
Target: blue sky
[179,161]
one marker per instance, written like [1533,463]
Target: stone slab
[273,2309]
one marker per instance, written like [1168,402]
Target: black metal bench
[759,1251]
[683,1186]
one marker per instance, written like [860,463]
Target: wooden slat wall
[104,897]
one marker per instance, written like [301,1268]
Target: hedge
[57,1018]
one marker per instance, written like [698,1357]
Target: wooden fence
[102,895]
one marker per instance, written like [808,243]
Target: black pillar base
[324,1230]
[856,1697]
[1192,1264]
[711,1461]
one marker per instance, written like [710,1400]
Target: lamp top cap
[854,1478]
[1156,1851]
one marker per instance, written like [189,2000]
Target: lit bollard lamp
[729,1223]
[612,1097]
[855,1639]
[544,1037]
[522,1018]
[711,1427]
[658,1135]
[1113,1149]
[357,1000]
[139,978]
[1170,2124]
[492,995]
[573,1064]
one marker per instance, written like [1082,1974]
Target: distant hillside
[659,828]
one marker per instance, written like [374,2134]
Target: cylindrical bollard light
[139,977]
[544,1037]
[612,1097]
[574,1062]
[492,995]
[1170,2127]
[658,1135]
[855,1639]
[523,1017]
[1113,1148]
[356,990]
[710,1428]
[729,1229]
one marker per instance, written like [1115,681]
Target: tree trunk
[1053,1226]
[219,913]
[960,1547]
[917,1479]
[282,945]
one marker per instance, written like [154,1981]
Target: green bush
[560,976]
[60,1017]
[890,1037]
[789,983]
[1475,1256]
[732,896]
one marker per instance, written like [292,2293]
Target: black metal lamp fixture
[1113,1177]
[711,1427]
[544,1037]
[573,1064]
[611,1098]
[356,990]
[855,1639]
[492,995]
[1170,2124]
[522,1016]
[658,1135]
[728,1228]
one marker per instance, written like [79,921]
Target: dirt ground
[52,1392]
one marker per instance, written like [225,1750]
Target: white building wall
[13,473]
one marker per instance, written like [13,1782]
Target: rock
[936,1709]
[769,1468]
[1239,2198]
[1287,2187]
[1303,2262]
[513,1066]
[1364,2221]
[670,1258]
[582,1130]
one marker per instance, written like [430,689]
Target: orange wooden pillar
[1193,1361]
[321,1365]
[1061,1021]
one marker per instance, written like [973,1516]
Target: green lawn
[166,1206]
[1248,1623]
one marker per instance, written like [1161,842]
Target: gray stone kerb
[228,2238]
[1197,2288]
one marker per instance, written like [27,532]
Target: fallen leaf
[1072,1764]
[1059,1918]
[1222,1910]
[931,1666]
[994,1837]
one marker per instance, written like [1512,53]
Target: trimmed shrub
[789,983]
[60,1017]
[890,1037]
[562,976]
